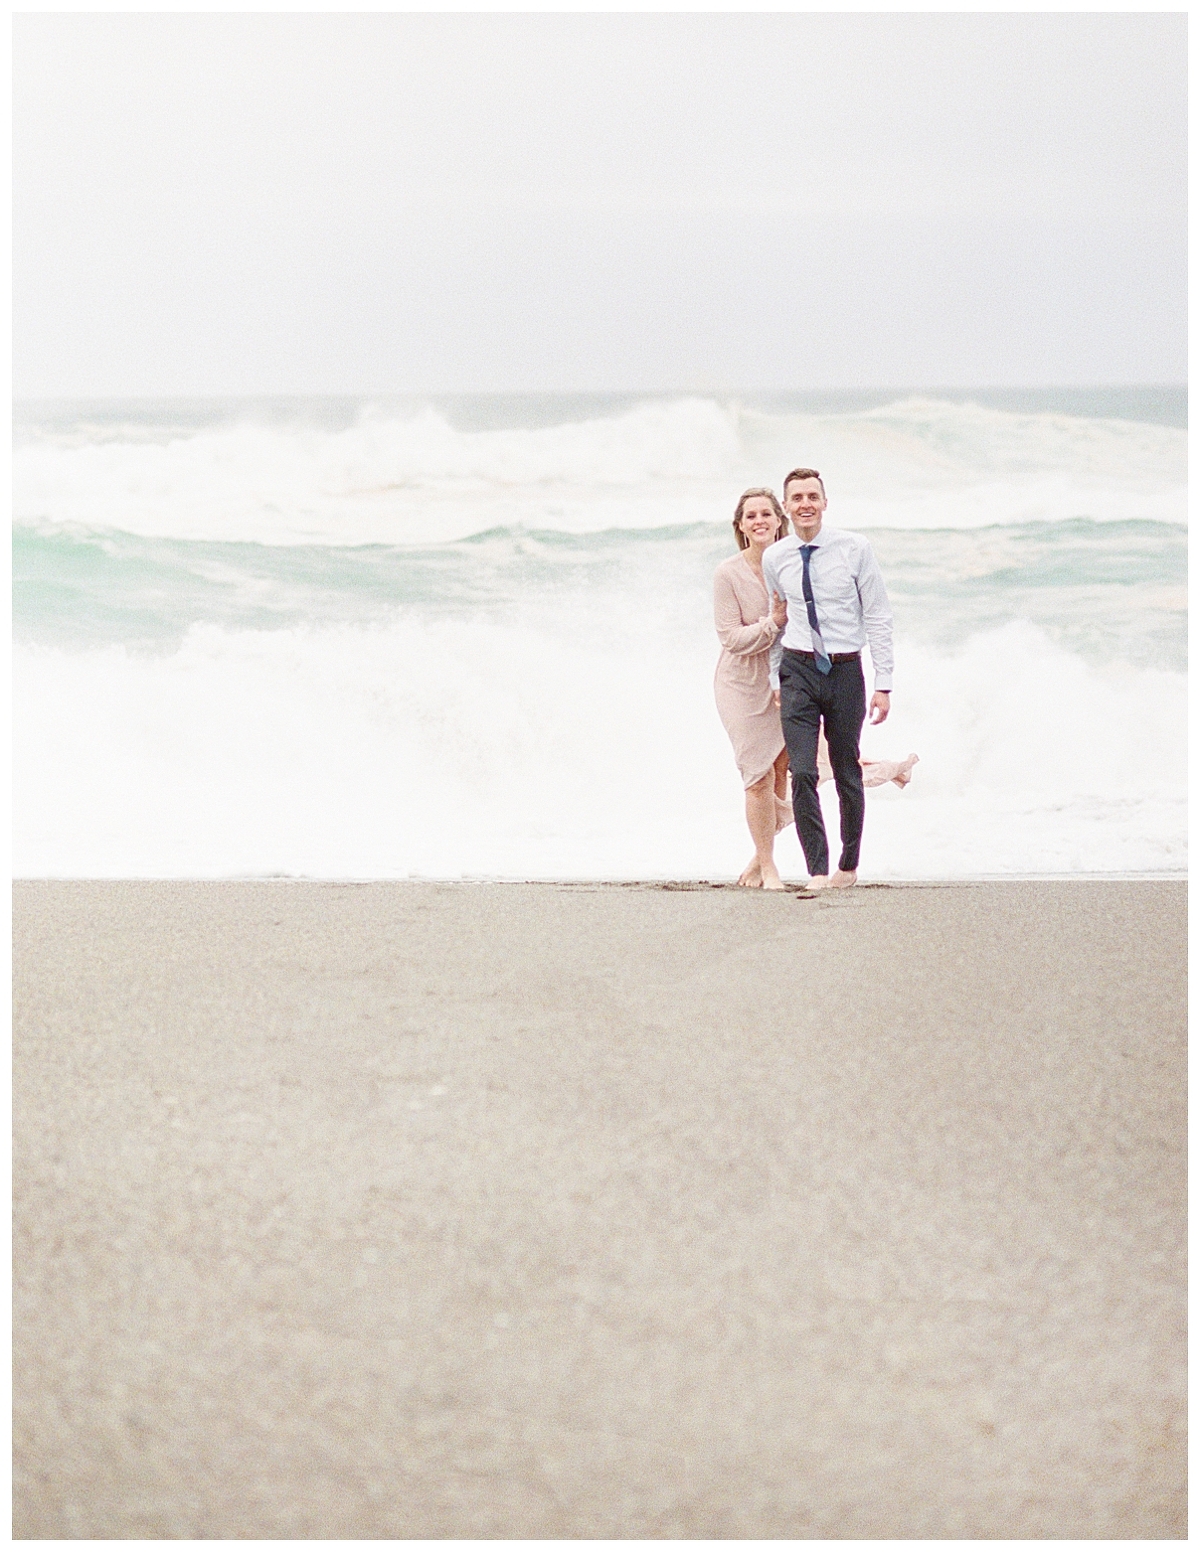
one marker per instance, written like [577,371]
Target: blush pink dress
[745,699]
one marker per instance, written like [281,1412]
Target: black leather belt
[834,657]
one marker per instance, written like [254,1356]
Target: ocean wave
[373,642]
[414,478]
[560,749]
[1109,590]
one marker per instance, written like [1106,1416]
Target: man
[836,605]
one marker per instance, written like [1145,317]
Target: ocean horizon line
[585,393]
[474,410]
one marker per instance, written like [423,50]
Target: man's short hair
[803,474]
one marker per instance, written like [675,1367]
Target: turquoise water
[472,636]
[1108,590]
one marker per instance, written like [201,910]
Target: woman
[749,625]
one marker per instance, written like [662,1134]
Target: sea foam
[430,750]
[379,645]
[415,479]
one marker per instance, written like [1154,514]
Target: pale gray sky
[323,203]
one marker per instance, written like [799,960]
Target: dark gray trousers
[839,697]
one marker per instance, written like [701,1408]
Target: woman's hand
[778,610]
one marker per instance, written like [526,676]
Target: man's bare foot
[752,876]
[904,775]
[843,878]
[818,881]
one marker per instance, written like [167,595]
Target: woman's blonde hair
[757,490]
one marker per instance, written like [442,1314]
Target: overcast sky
[304,203]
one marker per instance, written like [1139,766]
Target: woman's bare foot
[843,878]
[904,775]
[752,876]
[771,879]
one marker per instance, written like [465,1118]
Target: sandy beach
[586,1211]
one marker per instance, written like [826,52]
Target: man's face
[804,503]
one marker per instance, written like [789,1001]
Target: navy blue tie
[819,652]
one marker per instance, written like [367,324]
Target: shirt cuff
[886,689]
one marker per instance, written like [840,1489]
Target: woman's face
[758,521]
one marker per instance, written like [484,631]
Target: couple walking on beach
[793,613]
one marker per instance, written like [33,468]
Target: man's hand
[777,698]
[881,704]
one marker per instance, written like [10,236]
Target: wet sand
[535,1211]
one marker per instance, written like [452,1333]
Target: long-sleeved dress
[745,694]
[745,699]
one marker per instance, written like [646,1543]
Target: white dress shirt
[851,600]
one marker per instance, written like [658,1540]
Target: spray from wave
[382,645]
[415,478]
[565,750]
